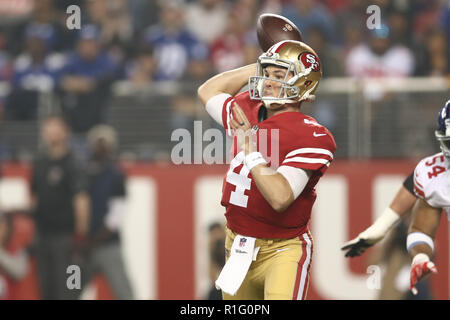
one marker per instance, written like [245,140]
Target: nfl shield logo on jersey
[242,242]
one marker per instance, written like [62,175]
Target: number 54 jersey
[432,182]
[285,139]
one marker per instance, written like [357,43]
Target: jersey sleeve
[312,148]
[227,114]
[408,184]
[420,180]
[310,158]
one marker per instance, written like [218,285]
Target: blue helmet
[443,130]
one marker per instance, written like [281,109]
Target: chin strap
[268,103]
[306,96]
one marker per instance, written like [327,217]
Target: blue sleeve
[15,81]
[69,67]
[197,49]
[152,35]
[108,68]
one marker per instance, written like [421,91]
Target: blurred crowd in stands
[152,42]
[156,41]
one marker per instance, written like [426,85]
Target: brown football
[273,28]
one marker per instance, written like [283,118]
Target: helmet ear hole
[294,90]
[308,83]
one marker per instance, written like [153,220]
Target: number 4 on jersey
[241,181]
[436,170]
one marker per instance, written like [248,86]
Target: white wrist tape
[416,238]
[387,219]
[420,258]
[253,159]
[382,225]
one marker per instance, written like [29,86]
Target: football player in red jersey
[268,199]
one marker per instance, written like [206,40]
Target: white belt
[243,251]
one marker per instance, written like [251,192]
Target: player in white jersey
[432,186]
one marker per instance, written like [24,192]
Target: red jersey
[292,139]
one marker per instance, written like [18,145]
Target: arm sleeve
[215,105]
[297,178]
[419,188]
[409,183]
[220,108]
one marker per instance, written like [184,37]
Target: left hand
[243,130]
[421,267]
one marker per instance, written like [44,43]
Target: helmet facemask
[444,140]
[443,130]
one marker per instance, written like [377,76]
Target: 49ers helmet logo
[309,60]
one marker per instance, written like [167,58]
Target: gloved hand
[420,268]
[372,234]
[359,245]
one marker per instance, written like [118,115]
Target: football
[273,28]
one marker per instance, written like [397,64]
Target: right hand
[372,234]
[361,243]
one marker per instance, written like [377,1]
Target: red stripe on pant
[305,258]
[305,290]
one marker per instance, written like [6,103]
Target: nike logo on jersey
[310,122]
[318,134]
